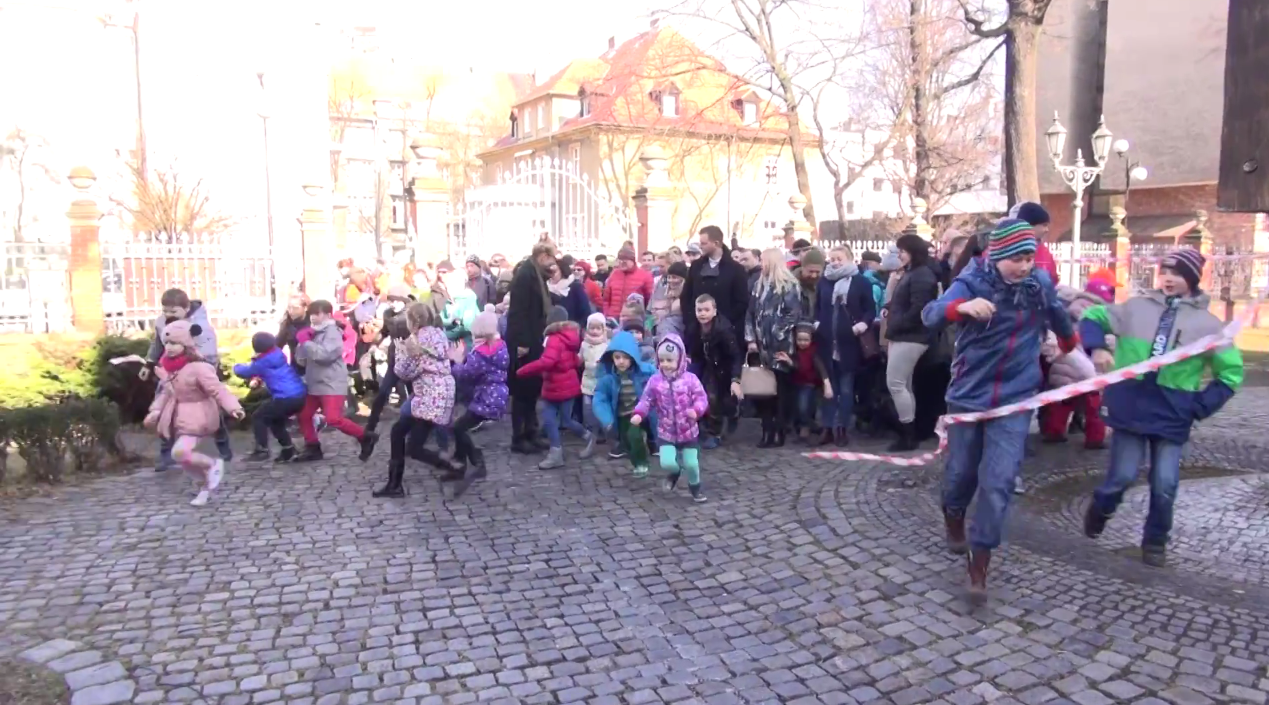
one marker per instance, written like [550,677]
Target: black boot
[367,442]
[311,453]
[285,455]
[768,435]
[1094,520]
[455,472]
[259,455]
[777,439]
[478,470]
[394,488]
[907,439]
[978,561]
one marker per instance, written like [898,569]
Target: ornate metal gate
[539,197]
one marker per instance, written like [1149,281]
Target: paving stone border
[91,679]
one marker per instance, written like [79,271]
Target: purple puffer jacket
[484,371]
[673,397]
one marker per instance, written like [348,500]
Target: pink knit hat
[182,333]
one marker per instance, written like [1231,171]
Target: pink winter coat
[188,403]
[1075,366]
[672,398]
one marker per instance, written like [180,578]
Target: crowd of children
[620,381]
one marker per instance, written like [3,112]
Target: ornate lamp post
[1132,169]
[1079,176]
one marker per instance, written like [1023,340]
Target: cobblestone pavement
[799,582]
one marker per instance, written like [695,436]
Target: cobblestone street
[798,582]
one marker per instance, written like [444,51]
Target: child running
[484,374]
[1004,306]
[286,397]
[423,362]
[621,382]
[1152,414]
[321,352]
[561,386]
[679,401]
[188,404]
[593,346]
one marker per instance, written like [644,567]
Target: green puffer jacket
[1163,404]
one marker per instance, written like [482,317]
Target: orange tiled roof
[620,84]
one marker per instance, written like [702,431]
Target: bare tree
[1021,31]
[20,153]
[167,206]
[785,40]
[342,107]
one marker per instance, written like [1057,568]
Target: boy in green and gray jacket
[1152,414]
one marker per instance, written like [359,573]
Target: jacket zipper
[1000,371]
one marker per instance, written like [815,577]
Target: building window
[850,208]
[398,212]
[877,184]
[515,126]
[750,113]
[575,156]
[541,117]
[669,104]
[498,174]
[771,170]
[584,99]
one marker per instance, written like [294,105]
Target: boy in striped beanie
[1152,414]
[1003,307]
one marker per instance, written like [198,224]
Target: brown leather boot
[955,531]
[826,437]
[979,559]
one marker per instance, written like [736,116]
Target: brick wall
[1236,229]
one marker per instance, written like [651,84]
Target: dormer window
[515,127]
[583,97]
[749,111]
[667,99]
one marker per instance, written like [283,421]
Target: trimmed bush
[120,384]
[84,432]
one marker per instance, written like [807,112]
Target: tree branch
[976,25]
[972,78]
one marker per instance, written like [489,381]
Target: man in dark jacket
[480,283]
[526,326]
[718,275]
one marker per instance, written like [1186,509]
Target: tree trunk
[918,72]
[1022,176]
[799,159]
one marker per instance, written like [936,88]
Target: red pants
[332,407]
[1054,422]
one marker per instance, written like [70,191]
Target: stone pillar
[430,217]
[919,225]
[655,198]
[87,314]
[797,228]
[339,221]
[318,245]
[1121,240]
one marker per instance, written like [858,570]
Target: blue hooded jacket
[997,361]
[282,381]
[608,385]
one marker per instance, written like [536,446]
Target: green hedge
[80,435]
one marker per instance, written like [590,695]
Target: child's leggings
[691,462]
[195,463]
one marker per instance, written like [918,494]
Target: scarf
[316,327]
[560,288]
[1167,322]
[1027,294]
[840,275]
[596,338]
[172,365]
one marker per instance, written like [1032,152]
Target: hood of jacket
[671,341]
[568,332]
[622,342]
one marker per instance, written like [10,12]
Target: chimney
[612,43]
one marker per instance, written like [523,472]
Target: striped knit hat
[1011,237]
[1188,263]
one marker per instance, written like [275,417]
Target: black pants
[722,405]
[463,445]
[778,411]
[389,382]
[524,417]
[272,416]
[410,431]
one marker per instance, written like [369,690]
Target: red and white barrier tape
[1111,259]
[1095,384]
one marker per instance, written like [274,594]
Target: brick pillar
[919,224]
[85,257]
[319,246]
[655,199]
[1122,252]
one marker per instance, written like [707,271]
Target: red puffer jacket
[559,363]
[621,284]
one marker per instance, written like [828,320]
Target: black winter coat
[716,357]
[730,290]
[918,287]
[526,327]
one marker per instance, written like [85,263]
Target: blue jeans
[839,410]
[808,399]
[984,457]
[557,413]
[1127,453]
[222,446]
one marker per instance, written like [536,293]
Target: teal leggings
[691,462]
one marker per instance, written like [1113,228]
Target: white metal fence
[35,288]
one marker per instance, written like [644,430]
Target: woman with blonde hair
[775,307]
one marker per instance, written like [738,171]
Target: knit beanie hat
[678,269]
[263,342]
[400,290]
[1031,212]
[635,325]
[1101,289]
[890,261]
[626,254]
[596,319]
[182,333]
[1188,263]
[485,325]
[1011,237]
[635,297]
[558,314]
[870,256]
[813,256]
[473,259]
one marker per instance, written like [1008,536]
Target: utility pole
[135,30]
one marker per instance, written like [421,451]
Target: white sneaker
[201,499]
[1017,486]
[215,475]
